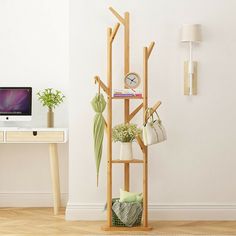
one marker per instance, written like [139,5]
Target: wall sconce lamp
[190,34]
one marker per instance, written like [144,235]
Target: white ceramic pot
[126,152]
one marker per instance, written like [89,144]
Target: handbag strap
[149,112]
[158,117]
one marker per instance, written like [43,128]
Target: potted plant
[50,98]
[125,134]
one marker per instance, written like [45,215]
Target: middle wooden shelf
[127,161]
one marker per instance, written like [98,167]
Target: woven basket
[117,222]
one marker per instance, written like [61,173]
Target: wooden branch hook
[141,144]
[149,50]
[100,85]
[135,111]
[114,31]
[117,15]
[154,108]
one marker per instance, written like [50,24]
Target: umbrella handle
[99,87]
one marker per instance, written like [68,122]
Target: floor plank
[41,221]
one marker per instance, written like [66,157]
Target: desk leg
[55,177]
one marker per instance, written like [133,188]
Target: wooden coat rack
[111,33]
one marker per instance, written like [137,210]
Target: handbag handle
[149,112]
[158,117]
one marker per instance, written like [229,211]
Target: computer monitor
[15,103]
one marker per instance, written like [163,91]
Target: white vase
[126,152]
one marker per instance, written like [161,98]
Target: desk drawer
[1,136]
[35,136]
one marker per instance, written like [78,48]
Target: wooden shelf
[127,98]
[127,161]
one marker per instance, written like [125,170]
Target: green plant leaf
[50,98]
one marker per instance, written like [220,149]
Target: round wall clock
[132,80]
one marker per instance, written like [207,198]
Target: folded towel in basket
[127,212]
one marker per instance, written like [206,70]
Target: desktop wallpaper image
[15,101]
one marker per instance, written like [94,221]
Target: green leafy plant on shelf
[50,98]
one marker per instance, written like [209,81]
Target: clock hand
[132,80]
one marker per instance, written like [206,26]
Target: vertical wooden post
[126,176]
[145,151]
[125,21]
[126,102]
[109,128]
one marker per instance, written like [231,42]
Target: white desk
[52,136]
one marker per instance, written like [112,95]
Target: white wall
[33,52]
[192,174]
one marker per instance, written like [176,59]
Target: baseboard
[29,199]
[158,212]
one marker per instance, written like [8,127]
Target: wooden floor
[40,221]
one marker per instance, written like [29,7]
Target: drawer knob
[35,133]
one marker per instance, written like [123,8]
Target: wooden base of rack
[116,228]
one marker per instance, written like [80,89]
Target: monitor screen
[15,101]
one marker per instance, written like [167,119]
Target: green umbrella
[98,104]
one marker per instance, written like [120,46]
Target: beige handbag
[153,130]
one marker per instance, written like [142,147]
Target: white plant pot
[126,152]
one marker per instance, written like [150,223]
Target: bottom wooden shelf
[117,228]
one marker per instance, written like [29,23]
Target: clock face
[132,80]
